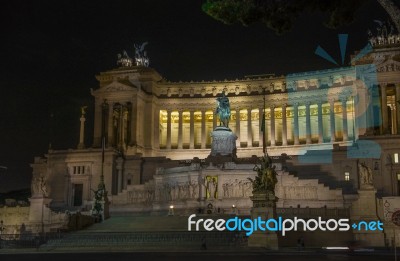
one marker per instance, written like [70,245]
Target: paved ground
[131,224]
[193,256]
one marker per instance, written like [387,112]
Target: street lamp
[171,210]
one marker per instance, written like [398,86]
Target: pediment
[117,87]
[388,66]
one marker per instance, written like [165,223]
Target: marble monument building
[320,127]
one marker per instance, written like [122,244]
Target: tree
[279,15]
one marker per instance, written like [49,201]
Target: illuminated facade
[153,126]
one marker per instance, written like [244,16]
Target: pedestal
[39,211]
[364,209]
[223,142]
[264,206]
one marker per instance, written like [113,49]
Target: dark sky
[51,51]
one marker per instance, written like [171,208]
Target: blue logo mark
[361,99]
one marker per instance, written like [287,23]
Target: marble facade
[158,137]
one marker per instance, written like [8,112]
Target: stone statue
[212,187]
[39,186]
[141,57]
[223,110]
[83,110]
[265,180]
[365,174]
[43,186]
[124,60]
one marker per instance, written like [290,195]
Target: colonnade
[326,115]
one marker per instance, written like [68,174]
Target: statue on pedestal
[223,110]
[264,203]
[39,186]
[265,180]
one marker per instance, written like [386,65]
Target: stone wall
[13,218]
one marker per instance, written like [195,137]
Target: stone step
[323,177]
[163,238]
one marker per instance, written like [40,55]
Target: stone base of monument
[39,211]
[223,142]
[264,240]
[365,209]
[264,206]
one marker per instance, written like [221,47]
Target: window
[79,169]
[347,176]
[396,158]
[398,176]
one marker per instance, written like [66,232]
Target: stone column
[81,144]
[320,126]
[397,108]
[385,122]
[249,129]
[260,117]
[125,127]
[284,126]
[272,108]
[98,124]
[203,129]
[394,117]
[332,118]
[214,121]
[238,127]
[344,119]
[119,162]
[110,125]
[169,129]
[156,128]
[191,129]
[132,114]
[296,123]
[308,123]
[121,126]
[180,130]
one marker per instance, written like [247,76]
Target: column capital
[331,101]
[307,103]
[272,107]
[284,105]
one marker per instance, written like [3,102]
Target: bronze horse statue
[223,110]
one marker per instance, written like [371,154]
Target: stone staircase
[145,232]
[323,176]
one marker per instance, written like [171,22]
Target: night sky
[51,51]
